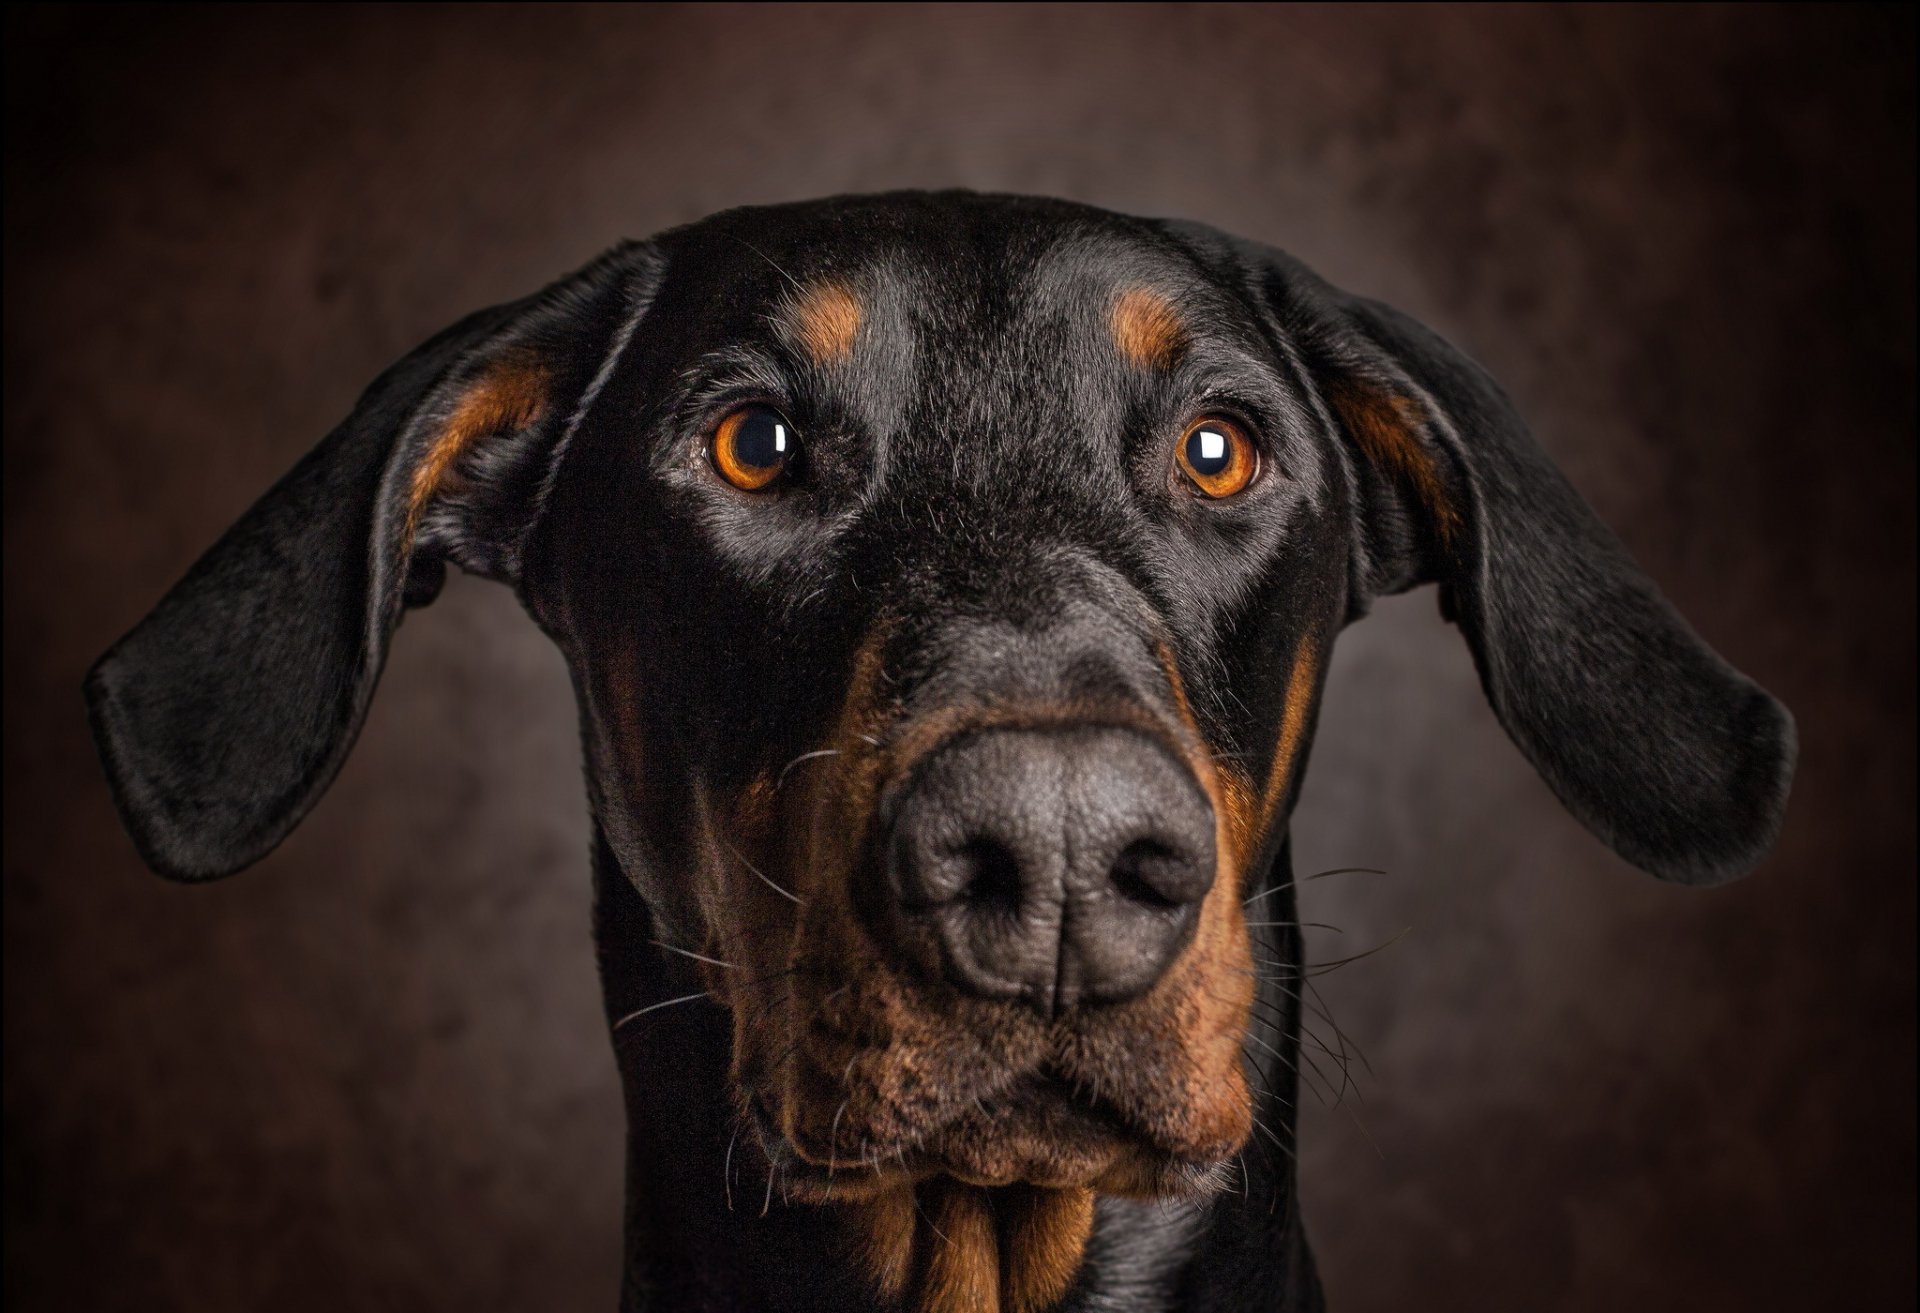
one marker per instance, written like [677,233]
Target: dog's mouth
[1041,1130]
[992,1206]
[879,1048]
[856,1088]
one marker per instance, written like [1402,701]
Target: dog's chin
[1034,1134]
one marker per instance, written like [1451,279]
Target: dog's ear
[1671,756]
[225,713]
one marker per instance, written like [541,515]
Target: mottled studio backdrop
[372,1074]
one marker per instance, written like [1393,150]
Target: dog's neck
[707,1229]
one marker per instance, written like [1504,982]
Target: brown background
[372,1073]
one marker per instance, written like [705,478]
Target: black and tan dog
[947,582]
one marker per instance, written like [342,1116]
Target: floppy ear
[1675,759]
[225,713]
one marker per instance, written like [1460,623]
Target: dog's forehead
[944,244]
[958,285]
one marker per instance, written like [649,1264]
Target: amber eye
[1217,457]
[753,447]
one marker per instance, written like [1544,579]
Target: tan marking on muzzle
[1293,723]
[510,395]
[1226,787]
[748,913]
[937,1244]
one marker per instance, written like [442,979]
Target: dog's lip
[1046,1095]
[824,1178]
[1038,1106]
[793,1155]
[1044,1110]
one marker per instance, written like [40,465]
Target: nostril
[990,875]
[1062,867]
[1150,873]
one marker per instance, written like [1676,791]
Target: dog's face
[924,566]
[947,582]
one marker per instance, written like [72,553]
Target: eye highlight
[753,447]
[1216,456]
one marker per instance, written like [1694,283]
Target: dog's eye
[1217,457]
[753,447]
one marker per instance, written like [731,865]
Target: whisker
[1321,968]
[1339,1093]
[698,957]
[726,1169]
[1365,1133]
[1348,1081]
[768,1008]
[928,1220]
[1325,1088]
[1319,1005]
[1342,870]
[1277,1141]
[1338,1102]
[1326,1081]
[655,1007]
[784,893]
[833,1141]
[1291,1066]
[1317,875]
[1306,1033]
[769,259]
[1266,1086]
[1307,925]
[815,755]
[1302,971]
[1273,1196]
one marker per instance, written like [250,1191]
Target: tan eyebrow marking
[1386,428]
[824,318]
[511,394]
[1146,327]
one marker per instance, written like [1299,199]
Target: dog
[947,582]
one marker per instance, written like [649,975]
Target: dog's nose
[1064,867]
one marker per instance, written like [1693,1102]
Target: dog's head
[948,582]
